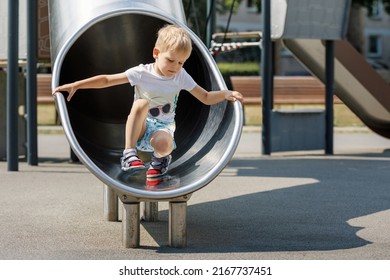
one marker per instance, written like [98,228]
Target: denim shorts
[153,125]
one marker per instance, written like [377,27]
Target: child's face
[168,63]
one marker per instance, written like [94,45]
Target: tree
[197,17]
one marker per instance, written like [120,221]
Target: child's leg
[136,123]
[162,142]
[135,128]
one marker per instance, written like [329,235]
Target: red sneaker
[131,161]
[158,167]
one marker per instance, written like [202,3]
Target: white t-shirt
[159,90]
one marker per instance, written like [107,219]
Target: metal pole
[131,225]
[32,138]
[266,73]
[150,211]
[110,201]
[178,224]
[329,91]
[12,86]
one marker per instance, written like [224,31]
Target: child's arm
[214,97]
[100,81]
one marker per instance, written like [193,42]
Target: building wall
[377,41]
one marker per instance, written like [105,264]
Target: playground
[301,190]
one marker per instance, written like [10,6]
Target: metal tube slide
[95,37]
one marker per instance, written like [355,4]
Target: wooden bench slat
[44,88]
[287,90]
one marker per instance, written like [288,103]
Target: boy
[150,125]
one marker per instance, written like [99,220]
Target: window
[374,46]
[377,10]
[251,6]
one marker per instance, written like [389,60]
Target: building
[377,37]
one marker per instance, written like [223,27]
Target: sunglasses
[164,109]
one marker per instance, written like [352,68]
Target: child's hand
[232,95]
[70,88]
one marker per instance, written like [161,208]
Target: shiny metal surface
[110,198]
[131,225]
[70,18]
[314,19]
[150,211]
[177,224]
[110,37]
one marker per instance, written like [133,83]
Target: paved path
[300,205]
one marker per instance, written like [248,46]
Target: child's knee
[162,142]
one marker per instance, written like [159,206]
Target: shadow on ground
[311,217]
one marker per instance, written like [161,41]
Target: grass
[46,114]
[244,68]
[238,69]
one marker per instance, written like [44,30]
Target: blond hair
[172,37]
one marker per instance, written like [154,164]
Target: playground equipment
[110,36]
[218,44]
[305,29]
[357,84]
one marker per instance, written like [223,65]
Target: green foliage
[196,13]
[238,69]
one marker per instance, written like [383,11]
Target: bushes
[238,69]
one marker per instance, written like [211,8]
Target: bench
[44,89]
[287,90]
